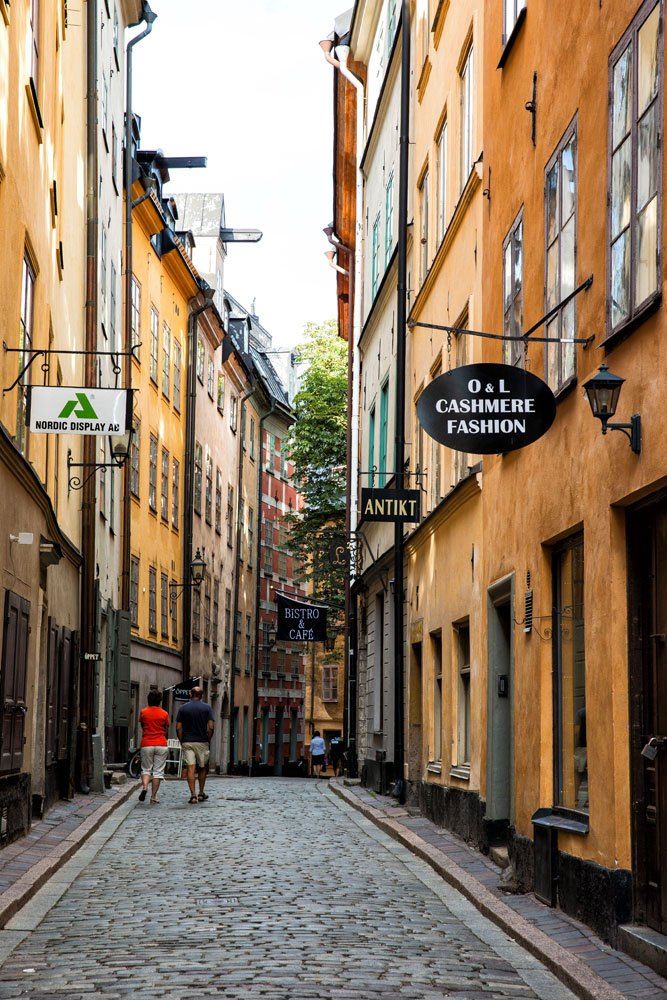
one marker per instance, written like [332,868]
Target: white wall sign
[70,410]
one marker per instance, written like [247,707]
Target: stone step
[644,944]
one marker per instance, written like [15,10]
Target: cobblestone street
[271,889]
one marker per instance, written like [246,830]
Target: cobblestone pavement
[271,889]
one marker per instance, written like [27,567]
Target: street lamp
[119,446]
[603,391]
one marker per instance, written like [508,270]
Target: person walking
[154,723]
[317,754]
[194,728]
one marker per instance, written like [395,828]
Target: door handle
[660,636]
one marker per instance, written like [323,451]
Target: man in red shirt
[155,726]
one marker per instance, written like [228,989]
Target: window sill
[434,767]
[461,772]
[568,820]
[509,44]
[566,389]
[651,306]
[35,111]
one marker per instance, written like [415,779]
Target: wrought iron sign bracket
[45,354]
[77,482]
[531,106]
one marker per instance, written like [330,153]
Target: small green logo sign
[80,407]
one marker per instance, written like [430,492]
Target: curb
[569,969]
[14,898]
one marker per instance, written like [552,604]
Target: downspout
[237,582]
[188,479]
[401,322]
[258,564]
[88,614]
[149,17]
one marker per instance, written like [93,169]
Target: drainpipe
[189,477]
[237,581]
[260,521]
[148,17]
[88,610]
[401,321]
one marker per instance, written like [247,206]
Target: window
[208,502]
[200,359]
[166,359]
[175,492]
[218,501]
[114,156]
[177,375]
[228,620]
[134,591]
[216,613]
[103,269]
[164,605]
[569,673]
[135,449]
[136,314]
[270,452]
[230,516]
[221,392]
[423,224]
[248,644]
[198,477]
[560,255]
[388,219]
[436,647]
[467,109]
[375,257]
[104,101]
[636,143]
[243,425]
[266,647]
[152,600]
[241,529]
[384,422]
[196,613]
[155,328]
[112,308]
[251,535]
[34,41]
[233,403]
[207,608]
[463,713]
[513,292]
[371,447]
[442,181]
[330,683]
[392,21]
[173,604]
[25,344]
[512,10]
[152,474]
[210,378]
[461,459]
[164,486]
[252,438]
[282,565]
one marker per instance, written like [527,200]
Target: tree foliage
[318,447]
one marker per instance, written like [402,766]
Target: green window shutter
[384,417]
[371,446]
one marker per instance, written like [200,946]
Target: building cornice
[465,490]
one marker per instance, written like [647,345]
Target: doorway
[415,717]
[278,758]
[500,742]
[647,565]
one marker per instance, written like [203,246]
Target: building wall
[34,484]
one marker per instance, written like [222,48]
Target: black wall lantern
[197,570]
[603,391]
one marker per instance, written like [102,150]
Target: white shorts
[153,761]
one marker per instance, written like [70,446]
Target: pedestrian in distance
[194,728]
[317,754]
[154,723]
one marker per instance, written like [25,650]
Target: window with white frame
[467,116]
[442,181]
[513,292]
[560,240]
[463,712]
[388,218]
[166,359]
[512,9]
[423,225]
[155,333]
[436,650]
[375,257]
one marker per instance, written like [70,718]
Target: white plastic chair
[175,754]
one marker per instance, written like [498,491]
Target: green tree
[318,447]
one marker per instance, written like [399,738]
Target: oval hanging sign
[486,409]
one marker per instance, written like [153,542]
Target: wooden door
[14,678]
[52,693]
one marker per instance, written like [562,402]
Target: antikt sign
[300,622]
[399,506]
[61,410]
[486,409]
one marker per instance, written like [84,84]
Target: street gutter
[14,898]
[569,969]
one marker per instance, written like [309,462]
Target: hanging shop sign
[338,551]
[399,506]
[300,622]
[67,410]
[486,409]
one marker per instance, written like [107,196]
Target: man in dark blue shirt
[194,728]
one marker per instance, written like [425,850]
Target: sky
[245,83]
